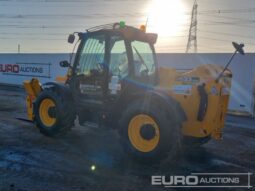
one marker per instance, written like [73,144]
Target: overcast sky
[43,25]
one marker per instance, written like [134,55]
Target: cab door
[91,71]
[118,65]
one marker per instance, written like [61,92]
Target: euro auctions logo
[204,180]
[16,68]
[12,68]
[26,69]
[168,181]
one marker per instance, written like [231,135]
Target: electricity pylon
[192,41]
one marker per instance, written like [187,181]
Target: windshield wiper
[141,58]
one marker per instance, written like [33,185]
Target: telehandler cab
[115,82]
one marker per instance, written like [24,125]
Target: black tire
[169,132]
[63,112]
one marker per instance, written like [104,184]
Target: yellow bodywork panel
[33,88]
[183,86]
[61,79]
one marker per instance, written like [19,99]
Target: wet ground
[30,161]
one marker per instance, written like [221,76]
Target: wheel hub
[52,112]
[143,133]
[148,132]
[47,111]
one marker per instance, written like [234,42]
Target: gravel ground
[31,161]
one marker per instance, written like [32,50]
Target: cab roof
[128,32]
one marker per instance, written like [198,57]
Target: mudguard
[169,103]
[60,88]
[164,101]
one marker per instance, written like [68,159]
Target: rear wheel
[149,133]
[54,113]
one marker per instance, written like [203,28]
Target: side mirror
[64,64]
[71,38]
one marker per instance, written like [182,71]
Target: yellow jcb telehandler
[115,81]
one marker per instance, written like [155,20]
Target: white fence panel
[15,68]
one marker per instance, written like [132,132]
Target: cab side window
[118,65]
[143,58]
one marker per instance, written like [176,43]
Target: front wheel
[54,112]
[148,133]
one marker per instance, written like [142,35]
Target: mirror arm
[230,60]
[238,48]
